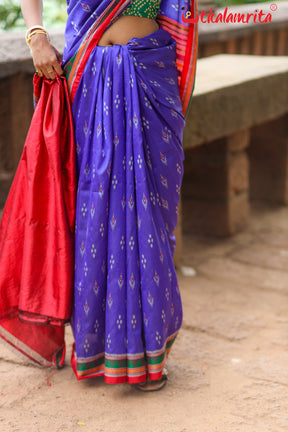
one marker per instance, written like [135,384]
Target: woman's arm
[46,58]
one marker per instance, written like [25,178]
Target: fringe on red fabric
[37,231]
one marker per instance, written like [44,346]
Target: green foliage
[54,14]
[10,14]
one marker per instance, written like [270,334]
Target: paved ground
[228,369]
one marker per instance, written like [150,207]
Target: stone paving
[228,369]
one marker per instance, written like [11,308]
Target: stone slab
[224,83]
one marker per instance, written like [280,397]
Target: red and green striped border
[78,62]
[124,368]
[187,48]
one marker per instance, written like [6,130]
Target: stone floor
[228,369]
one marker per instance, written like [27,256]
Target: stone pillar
[21,94]
[213,48]
[270,42]
[216,186]
[245,45]
[16,109]
[282,45]
[231,46]
[258,43]
[6,154]
[268,154]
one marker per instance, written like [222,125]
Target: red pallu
[37,231]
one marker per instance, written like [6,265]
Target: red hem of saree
[58,357]
[20,350]
[101,369]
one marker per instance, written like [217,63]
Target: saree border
[27,352]
[76,64]
[122,368]
[187,49]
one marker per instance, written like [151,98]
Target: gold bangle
[31,32]
[35,32]
[34,27]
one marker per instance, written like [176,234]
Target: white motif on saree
[120,281]
[131,163]
[101,229]
[144,201]
[116,141]
[101,191]
[114,182]
[92,211]
[132,281]
[133,321]
[113,222]
[139,160]
[112,261]
[118,60]
[96,288]
[158,338]
[156,278]
[163,158]
[165,204]
[143,261]
[131,203]
[122,242]
[117,101]
[93,251]
[131,243]
[150,241]
[86,308]
[123,202]
[164,181]
[82,249]
[96,326]
[84,209]
[85,269]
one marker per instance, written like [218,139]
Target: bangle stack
[34,30]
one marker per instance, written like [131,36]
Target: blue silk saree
[128,105]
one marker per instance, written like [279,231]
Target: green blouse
[143,8]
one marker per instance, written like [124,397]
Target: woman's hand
[46,58]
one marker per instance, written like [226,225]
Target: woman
[130,88]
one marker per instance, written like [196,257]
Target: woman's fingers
[49,72]
[57,62]
[51,68]
[44,69]
[57,67]
[46,58]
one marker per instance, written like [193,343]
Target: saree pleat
[129,126]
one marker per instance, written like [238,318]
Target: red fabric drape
[37,231]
